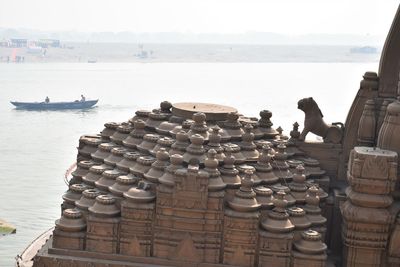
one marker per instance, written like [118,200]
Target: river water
[38,146]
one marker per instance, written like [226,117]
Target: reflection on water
[38,146]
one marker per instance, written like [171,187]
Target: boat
[364,50]
[55,105]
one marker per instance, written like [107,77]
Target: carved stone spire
[245,197]
[248,148]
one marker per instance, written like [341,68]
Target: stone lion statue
[314,123]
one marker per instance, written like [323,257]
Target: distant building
[45,43]
[5,43]
[18,42]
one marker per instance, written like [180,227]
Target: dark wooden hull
[54,105]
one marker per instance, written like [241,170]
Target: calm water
[38,146]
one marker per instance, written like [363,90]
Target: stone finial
[298,186]
[158,166]
[233,127]
[264,197]
[140,194]
[248,148]
[235,151]
[168,177]
[278,220]
[264,168]
[309,250]
[104,207]
[163,142]
[165,107]
[107,179]
[181,143]
[295,134]
[229,173]
[245,197]
[280,165]
[211,166]
[136,135]
[214,142]
[367,125]
[199,126]
[195,149]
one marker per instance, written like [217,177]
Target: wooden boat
[54,105]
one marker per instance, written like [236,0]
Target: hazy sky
[199,16]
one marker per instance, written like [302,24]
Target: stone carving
[367,216]
[313,122]
[211,196]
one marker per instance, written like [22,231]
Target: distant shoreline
[196,53]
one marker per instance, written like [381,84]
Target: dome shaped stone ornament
[69,232]
[88,145]
[117,154]
[158,166]
[278,220]
[309,250]
[107,179]
[140,115]
[247,146]
[73,194]
[103,151]
[211,163]
[264,197]
[168,178]
[185,126]
[235,151]
[243,170]
[181,143]
[128,161]
[87,200]
[280,165]
[123,184]
[195,149]
[214,142]
[135,137]
[313,211]
[140,194]
[199,126]
[164,142]
[245,197]
[109,130]
[121,133]
[264,167]
[156,117]
[82,169]
[298,186]
[229,173]
[148,143]
[94,174]
[233,127]
[167,126]
[265,124]
[142,166]
[300,221]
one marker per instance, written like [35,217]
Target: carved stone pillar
[69,232]
[276,235]
[366,215]
[103,226]
[137,213]
[240,225]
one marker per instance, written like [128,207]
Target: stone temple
[194,184]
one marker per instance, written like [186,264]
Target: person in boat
[83,98]
[47,100]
